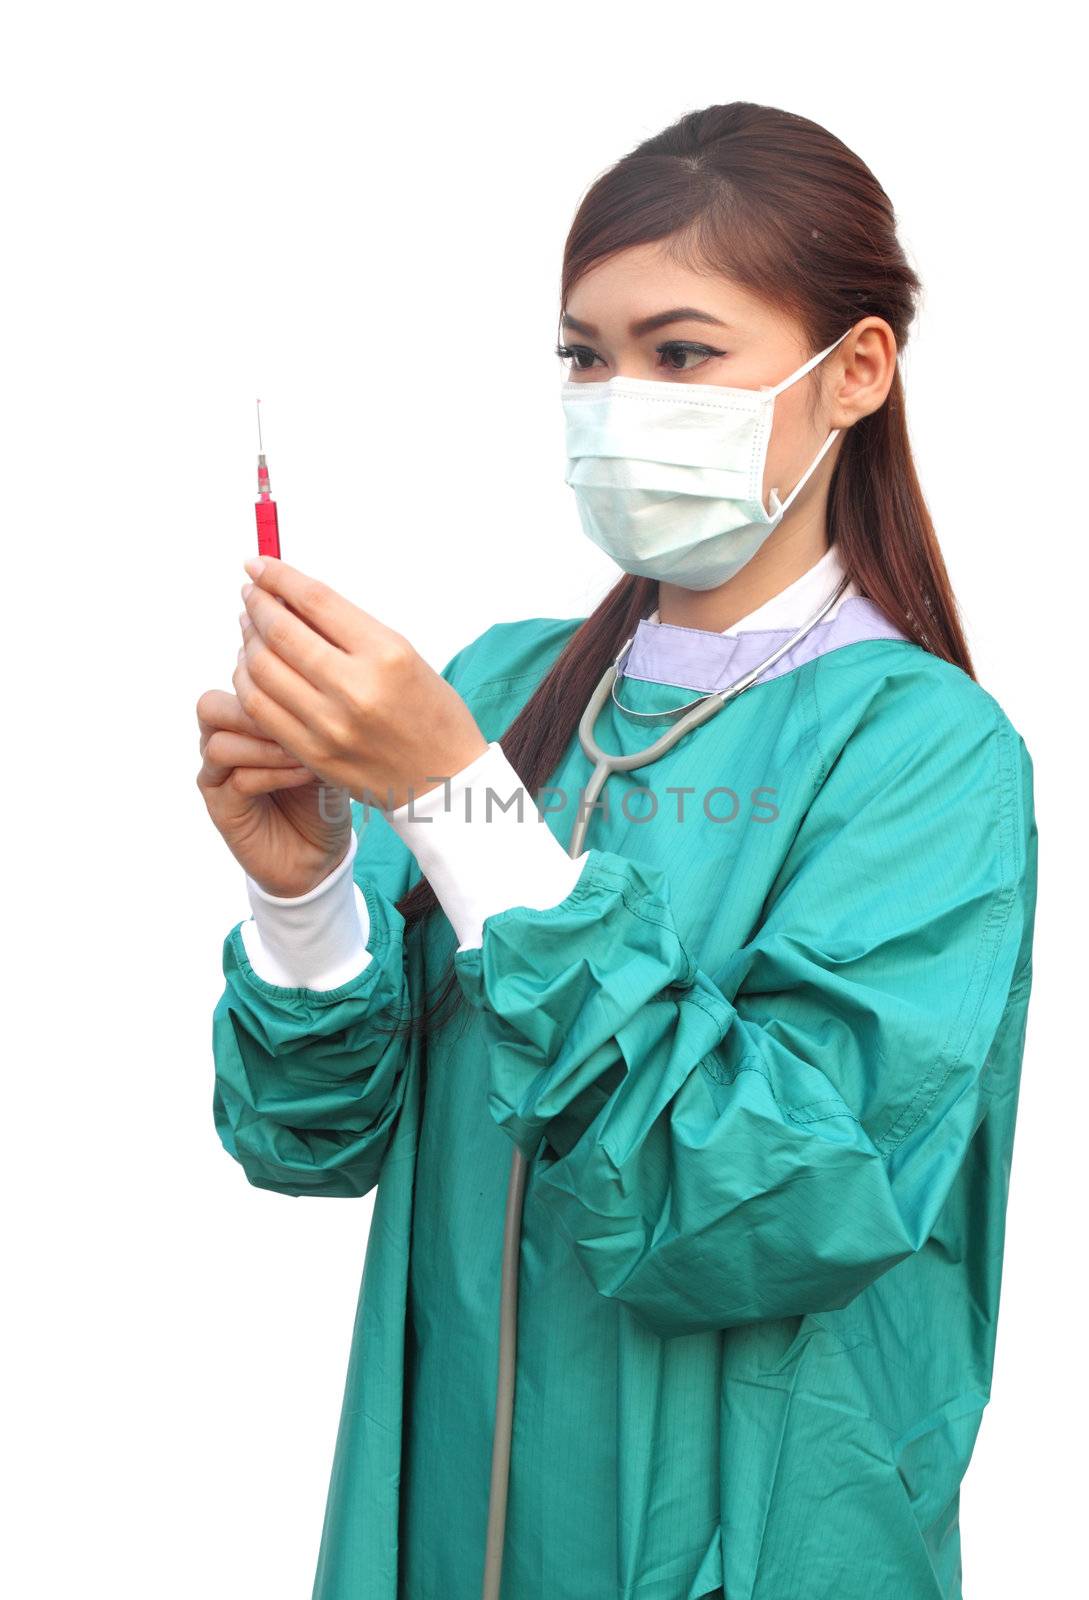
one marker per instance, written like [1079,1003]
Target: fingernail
[244,619]
[246,588]
[254,566]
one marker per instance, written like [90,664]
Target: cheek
[790,437]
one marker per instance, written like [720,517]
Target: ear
[868,372]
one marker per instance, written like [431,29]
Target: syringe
[268,526]
[268,544]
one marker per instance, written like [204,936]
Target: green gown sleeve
[307,1084]
[764,1140]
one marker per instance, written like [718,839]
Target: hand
[285,828]
[345,695]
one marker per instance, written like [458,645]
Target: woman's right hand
[284,827]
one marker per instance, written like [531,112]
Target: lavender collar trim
[693,658]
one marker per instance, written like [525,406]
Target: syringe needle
[260,446]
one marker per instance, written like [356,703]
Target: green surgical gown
[764,1061]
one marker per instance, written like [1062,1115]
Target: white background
[362,222]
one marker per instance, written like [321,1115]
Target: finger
[271,719]
[218,712]
[214,774]
[291,638]
[266,780]
[263,752]
[223,751]
[218,709]
[282,683]
[247,781]
[334,617]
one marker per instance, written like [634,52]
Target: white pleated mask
[669,478]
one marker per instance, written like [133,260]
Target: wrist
[456,761]
[299,889]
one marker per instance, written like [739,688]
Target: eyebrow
[649,324]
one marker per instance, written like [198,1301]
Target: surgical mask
[669,479]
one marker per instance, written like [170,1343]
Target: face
[640,314]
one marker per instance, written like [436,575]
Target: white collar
[797,602]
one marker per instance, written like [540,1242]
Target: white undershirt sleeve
[480,841]
[484,846]
[316,940]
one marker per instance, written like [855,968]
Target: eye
[674,354]
[682,348]
[572,353]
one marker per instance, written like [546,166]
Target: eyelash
[568,352]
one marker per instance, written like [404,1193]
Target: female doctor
[755,1042]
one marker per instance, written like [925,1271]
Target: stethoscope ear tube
[604,763]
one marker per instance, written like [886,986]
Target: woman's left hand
[345,695]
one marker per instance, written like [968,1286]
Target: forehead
[645,279]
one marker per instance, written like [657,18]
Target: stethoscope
[691,714]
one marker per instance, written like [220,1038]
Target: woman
[759,1041]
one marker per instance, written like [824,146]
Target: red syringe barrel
[268,527]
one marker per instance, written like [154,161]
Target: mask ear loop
[781,505]
[772,391]
[801,371]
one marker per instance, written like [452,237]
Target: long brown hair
[782,207]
